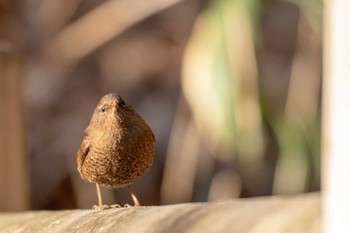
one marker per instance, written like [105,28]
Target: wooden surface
[269,214]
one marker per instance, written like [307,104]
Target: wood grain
[268,214]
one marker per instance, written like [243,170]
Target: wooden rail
[268,214]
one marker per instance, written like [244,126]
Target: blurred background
[231,90]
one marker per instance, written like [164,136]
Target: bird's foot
[100,207]
[129,206]
[104,207]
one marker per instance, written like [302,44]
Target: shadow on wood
[267,214]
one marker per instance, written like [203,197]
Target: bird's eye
[102,109]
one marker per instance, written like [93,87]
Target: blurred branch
[301,113]
[302,104]
[80,39]
[99,26]
[217,77]
[53,15]
[182,159]
[14,171]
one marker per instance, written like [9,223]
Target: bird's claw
[104,207]
[100,207]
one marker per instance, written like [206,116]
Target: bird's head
[111,108]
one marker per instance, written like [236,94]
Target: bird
[117,148]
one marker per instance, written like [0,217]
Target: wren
[117,148]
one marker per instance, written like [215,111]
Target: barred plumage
[118,146]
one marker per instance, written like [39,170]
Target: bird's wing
[83,152]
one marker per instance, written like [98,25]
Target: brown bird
[118,147]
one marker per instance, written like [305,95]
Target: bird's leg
[101,206]
[134,198]
[100,203]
